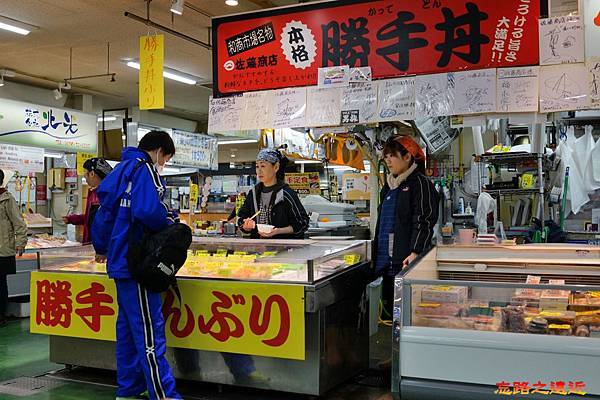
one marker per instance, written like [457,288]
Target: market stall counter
[473,322]
[18,284]
[283,315]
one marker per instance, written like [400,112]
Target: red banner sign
[285,47]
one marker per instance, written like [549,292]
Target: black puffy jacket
[416,215]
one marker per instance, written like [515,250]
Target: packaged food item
[558,317]
[538,326]
[443,322]
[484,323]
[513,319]
[584,301]
[553,299]
[478,308]
[438,309]
[594,331]
[560,329]
[527,297]
[444,294]
[588,318]
[582,330]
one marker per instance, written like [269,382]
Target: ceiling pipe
[163,28]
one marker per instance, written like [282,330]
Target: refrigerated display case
[332,278]
[470,321]
[18,284]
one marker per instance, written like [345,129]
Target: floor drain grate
[26,386]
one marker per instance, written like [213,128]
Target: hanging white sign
[47,127]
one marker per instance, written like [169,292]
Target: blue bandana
[269,155]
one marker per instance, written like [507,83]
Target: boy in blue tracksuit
[131,201]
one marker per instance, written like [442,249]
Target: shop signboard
[81,159]
[304,183]
[21,159]
[47,127]
[151,81]
[285,47]
[232,317]
[355,187]
[195,150]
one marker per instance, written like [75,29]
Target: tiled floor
[25,355]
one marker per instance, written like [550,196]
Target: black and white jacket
[286,210]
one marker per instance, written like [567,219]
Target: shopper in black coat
[278,203]
[407,213]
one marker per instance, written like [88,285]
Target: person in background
[278,204]
[131,202]
[96,170]
[407,213]
[13,239]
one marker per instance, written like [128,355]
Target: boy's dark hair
[1,177]
[154,140]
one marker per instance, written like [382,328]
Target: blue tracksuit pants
[141,344]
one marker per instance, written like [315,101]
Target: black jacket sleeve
[297,214]
[246,210]
[424,205]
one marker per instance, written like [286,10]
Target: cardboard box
[444,294]
[552,299]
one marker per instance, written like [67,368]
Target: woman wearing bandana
[279,205]
[96,170]
[407,213]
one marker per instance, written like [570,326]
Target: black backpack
[155,259]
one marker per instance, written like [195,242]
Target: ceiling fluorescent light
[232,3]
[307,162]
[167,74]
[107,118]
[53,154]
[177,6]
[241,141]
[9,24]
[178,78]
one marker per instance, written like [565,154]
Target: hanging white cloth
[594,164]
[485,205]
[577,193]
[582,156]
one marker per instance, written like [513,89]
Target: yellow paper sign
[194,191]
[151,81]
[233,317]
[81,159]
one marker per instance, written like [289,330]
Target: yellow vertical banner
[194,193]
[152,89]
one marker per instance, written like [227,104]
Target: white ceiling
[42,57]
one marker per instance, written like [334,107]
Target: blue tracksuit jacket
[111,228]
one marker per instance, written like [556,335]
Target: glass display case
[292,261]
[328,279]
[511,314]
